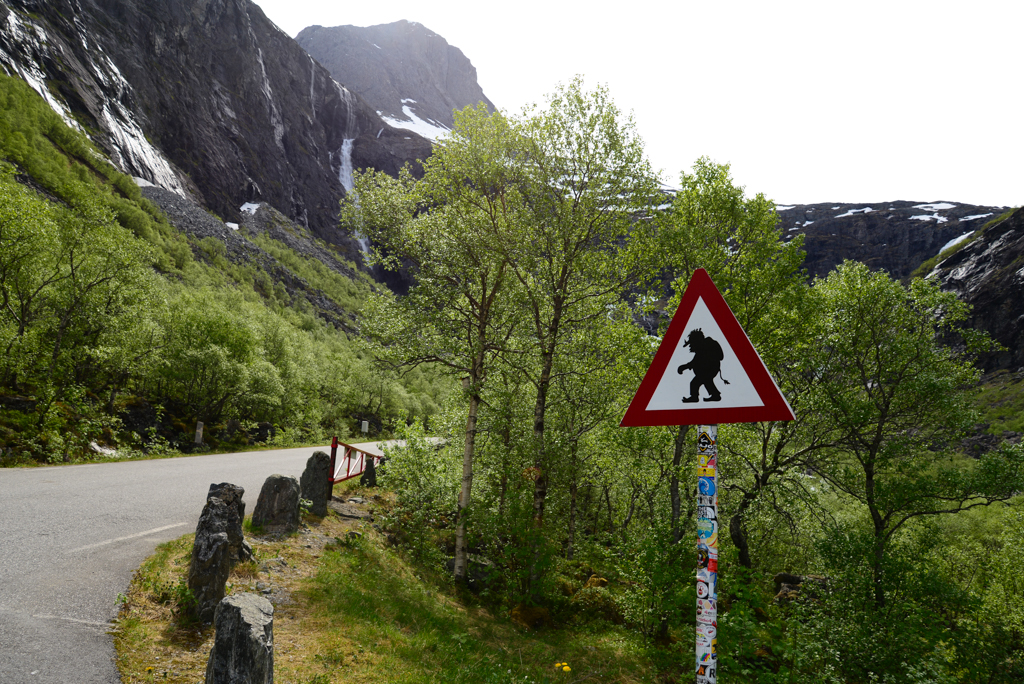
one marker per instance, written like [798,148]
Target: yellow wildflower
[566,668]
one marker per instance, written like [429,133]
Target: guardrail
[353,461]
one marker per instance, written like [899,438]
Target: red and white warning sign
[706,370]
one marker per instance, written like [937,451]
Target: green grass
[1001,402]
[384,620]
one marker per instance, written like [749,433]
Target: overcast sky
[808,101]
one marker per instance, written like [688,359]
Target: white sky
[808,101]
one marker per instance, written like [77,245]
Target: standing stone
[369,476]
[232,496]
[315,482]
[218,545]
[243,647]
[277,508]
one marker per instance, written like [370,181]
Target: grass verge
[350,608]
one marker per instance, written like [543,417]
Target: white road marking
[130,536]
[69,619]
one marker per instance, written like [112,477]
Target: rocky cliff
[892,236]
[405,71]
[988,273]
[206,97]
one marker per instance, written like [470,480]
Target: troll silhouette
[705,364]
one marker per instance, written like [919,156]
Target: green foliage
[88,330]
[66,164]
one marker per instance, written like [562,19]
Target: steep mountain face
[892,236]
[203,96]
[988,273]
[408,73]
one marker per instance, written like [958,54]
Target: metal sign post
[707,554]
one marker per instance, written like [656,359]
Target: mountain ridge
[410,75]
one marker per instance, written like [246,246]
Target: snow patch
[851,212]
[232,226]
[377,46]
[937,206]
[429,129]
[956,241]
[249,208]
[142,182]
[779,207]
[929,217]
[975,217]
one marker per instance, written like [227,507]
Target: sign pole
[707,554]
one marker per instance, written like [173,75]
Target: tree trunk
[739,536]
[467,486]
[572,520]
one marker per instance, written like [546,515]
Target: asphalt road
[71,537]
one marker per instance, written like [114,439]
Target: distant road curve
[71,537]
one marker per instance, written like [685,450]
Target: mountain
[204,97]
[988,273]
[408,73]
[893,236]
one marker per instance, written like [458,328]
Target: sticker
[707,513]
[706,486]
[705,500]
[711,564]
[706,472]
[711,580]
[703,591]
[704,442]
[706,673]
[706,528]
[709,631]
[703,557]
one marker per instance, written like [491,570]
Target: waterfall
[345,177]
[345,172]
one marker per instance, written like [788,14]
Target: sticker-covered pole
[707,554]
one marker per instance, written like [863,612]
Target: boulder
[277,508]
[315,482]
[243,647]
[218,545]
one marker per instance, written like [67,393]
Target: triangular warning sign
[706,370]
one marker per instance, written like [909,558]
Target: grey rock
[205,98]
[987,274]
[893,236]
[315,482]
[398,65]
[347,510]
[218,545]
[243,647]
[369,476]
[277,508]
